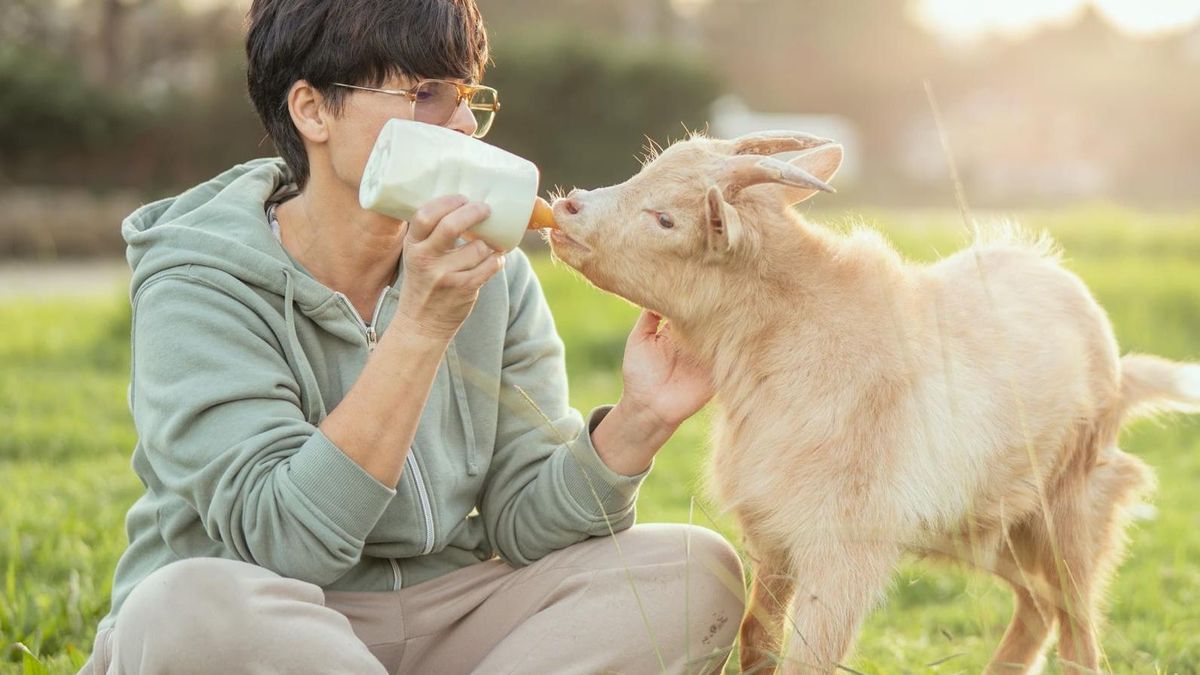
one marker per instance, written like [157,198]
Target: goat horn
[739,173]
[773,142]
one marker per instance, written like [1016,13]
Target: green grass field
[65,440]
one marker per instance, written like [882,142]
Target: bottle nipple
[543,215]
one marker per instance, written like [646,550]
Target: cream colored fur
[870,407]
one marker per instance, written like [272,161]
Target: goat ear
[772,142]
[723,228]
[822,163]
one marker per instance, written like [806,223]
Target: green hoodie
[238,354]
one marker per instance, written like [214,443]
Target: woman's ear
[307,107]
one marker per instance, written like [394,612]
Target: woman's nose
[463,120]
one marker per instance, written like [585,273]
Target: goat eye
[664,220]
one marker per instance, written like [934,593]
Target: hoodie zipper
[422,494]
[368,329]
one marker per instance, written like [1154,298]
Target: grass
[66,440]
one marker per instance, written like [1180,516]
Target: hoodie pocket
[454,362]
[424,501]
[401,530]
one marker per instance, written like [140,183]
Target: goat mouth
[560,238]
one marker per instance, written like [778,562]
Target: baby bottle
[413,162]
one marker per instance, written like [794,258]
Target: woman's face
[352,134]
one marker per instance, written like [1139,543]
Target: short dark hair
[362,42]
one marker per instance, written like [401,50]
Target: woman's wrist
[415,328]
[629,436]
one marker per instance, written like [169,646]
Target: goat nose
[577,192]
[572,205]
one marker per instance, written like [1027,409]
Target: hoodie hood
[222,224]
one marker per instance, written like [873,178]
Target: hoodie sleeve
[546,488]
[217,412]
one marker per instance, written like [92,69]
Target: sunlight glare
[961,20]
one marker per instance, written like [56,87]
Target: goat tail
[1152,385]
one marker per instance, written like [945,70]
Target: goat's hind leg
[1089,536]
[1020,651]
[1034,607]
[1034,616]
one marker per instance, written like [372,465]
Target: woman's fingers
[479,275]
[427,218]
[453,225]
[467,257]
[647,324]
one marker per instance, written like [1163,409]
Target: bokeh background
[1081,117]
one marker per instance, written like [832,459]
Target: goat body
[966,410]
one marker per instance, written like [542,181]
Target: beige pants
[652,606]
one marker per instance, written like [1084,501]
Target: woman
[330,405]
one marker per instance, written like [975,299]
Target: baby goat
[870,406]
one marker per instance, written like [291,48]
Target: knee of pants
[200,606]
[712,580]
[718,558]
[712,561]
[715,577]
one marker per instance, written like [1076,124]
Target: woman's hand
[663,387]
[442,280]
[661,378]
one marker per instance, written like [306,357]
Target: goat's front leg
[836,585]
[761,634]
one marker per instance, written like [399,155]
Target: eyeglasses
[434,101]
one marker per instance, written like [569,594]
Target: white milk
[413,162]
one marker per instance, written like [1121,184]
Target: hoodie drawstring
[310,394]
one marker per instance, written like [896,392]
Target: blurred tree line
[149,94]
[120,93]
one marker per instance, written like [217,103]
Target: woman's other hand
[660,376]
[663,386]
